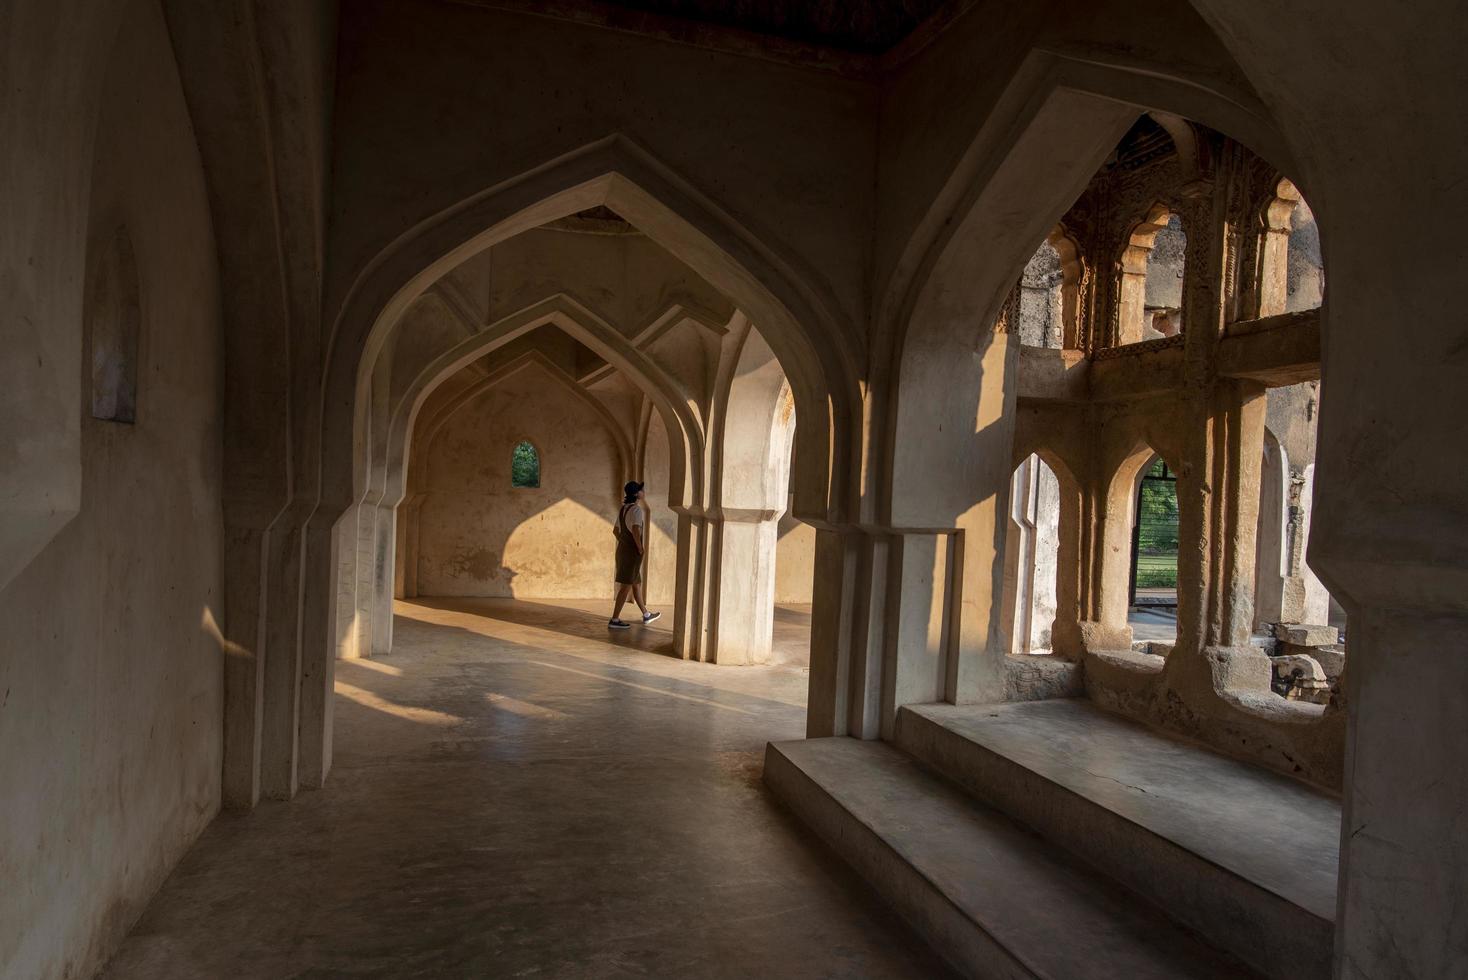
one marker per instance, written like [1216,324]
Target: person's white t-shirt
[634,516]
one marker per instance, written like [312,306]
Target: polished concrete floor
[519,793]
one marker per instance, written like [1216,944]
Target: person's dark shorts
[629,566]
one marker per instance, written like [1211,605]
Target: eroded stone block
[1307,635]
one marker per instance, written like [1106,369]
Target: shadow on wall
[480,535]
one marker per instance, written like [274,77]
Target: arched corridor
[515,791]
[699,489]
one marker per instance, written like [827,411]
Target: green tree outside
[525,466]
[1157,518]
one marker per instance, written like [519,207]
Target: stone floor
[1158,625]
[518,793]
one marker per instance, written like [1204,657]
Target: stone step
[993,898]
[1245,856]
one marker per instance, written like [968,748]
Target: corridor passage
[517,793]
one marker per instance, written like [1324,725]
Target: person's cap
[632,488]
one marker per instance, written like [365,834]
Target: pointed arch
[813,343]
[1029,160]
[585,326]
[433,425]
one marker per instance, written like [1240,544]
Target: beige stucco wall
[480,536]
[110,681]
[795,560]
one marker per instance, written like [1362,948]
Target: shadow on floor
[584,619]
[514,793]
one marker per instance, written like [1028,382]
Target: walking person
[631,531]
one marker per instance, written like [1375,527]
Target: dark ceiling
[863,26]
[1143,143]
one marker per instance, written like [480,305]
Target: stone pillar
[1404,852]
[246,561]
[1218,482]
[845,645]
[346,553]
[368,515]
[1271,537]
[405,555]
[322,635]
[918,665]
[974,565]
[1113,502]
[1030,557]
[1131,298]
[280,742]
[741,610]
[384,545]
[1019,560]
[1078,573]
[688,601]
[1305,598]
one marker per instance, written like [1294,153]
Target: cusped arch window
[525,465]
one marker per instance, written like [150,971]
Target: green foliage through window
[525,466]
[1157,519]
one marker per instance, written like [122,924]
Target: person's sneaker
[617,624]
[649,617]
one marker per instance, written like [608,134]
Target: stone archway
[611,173]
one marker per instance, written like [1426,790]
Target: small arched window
[524,466]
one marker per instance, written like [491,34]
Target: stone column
[329,534]
[1404,852]
[741,609]
[246,553]
[368,517]
[1030,558]
[1079,569]
[688,601]
[1112,503]
[280,743]
[1269,554]
[384,545]
[920,649]
[1218,482]
[405,554]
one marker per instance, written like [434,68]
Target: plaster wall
[47,125]
[480,536]
[111,712]
[628,279]
[795,561]
[746,132]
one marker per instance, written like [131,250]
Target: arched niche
[1149,290]
[113,326]
[616,175]
[1290,272]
